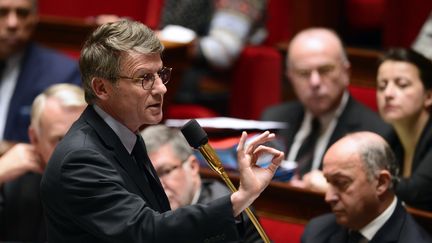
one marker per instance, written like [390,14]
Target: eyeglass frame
[168,172]
[150,77]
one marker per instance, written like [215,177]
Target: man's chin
[342,220]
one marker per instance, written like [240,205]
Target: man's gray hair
[157,136]
[101,55]
[377,155]
[69,96]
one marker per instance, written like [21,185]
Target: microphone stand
[214,163]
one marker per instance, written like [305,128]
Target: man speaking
[100,185]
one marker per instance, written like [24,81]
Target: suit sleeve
[94,196]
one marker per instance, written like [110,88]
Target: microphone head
[194,134]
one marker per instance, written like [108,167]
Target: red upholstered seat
[186,111]
[365,95]
[256,82]
[403,20]
[365,14]
[281,231]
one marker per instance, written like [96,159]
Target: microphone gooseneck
[198,139]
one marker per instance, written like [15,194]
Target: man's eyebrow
[335,174]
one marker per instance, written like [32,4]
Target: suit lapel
[423,144]
[27,87]
[294,121]
[390,231]
[341,236]
[347,122]
[123,158]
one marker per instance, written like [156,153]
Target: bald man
[319,71]
[361,169]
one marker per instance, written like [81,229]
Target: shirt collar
[370,229]
[196,195]
[127,137]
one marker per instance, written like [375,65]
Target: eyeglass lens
[149,78]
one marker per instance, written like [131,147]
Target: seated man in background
[318,69]
[26,69]
[360,169]
[53,112]
[178,171]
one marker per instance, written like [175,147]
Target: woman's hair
[423,64]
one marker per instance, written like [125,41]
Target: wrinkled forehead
[337,167]
[343,157]
[133,61]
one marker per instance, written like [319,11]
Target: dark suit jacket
[21,215]
[211,190]
[355,117]
[416,191]
[92,192]
[400,228]
[40,68]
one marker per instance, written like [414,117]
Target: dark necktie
[305,154]
[356,237]
[2,68]
[140,156]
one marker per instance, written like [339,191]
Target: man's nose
[315,78]
[159,86]
[12,19]
[331,195]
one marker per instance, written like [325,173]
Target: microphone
[198,139]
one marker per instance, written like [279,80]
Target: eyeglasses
[168,170]
[148,79]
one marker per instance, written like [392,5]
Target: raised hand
[254,179]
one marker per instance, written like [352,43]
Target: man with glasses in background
[318,69]
[100,185]
[178,171]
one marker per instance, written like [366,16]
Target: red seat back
[365,95]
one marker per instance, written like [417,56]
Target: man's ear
[34,140]
[194,164]
[384,182]
[101,88]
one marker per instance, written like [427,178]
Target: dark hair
[423,64]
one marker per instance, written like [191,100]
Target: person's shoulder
[320,229]
[367,119]
[323,221]
[412,232]
[356,106]
[212,188]
[45,54]
[279,112]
